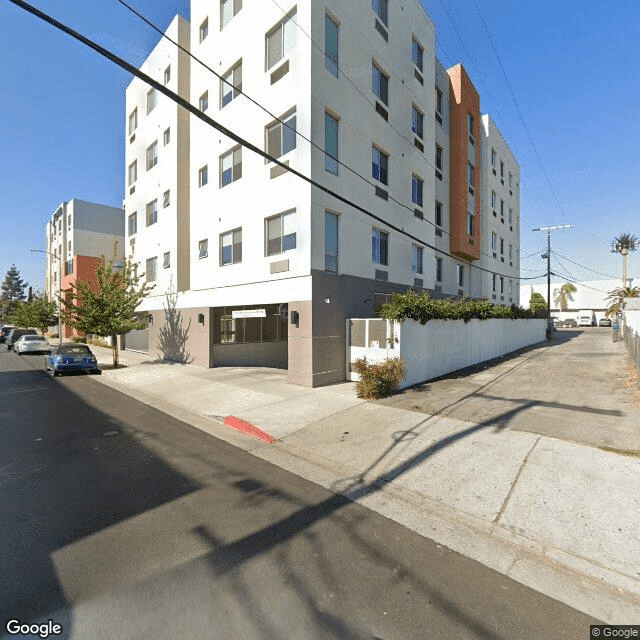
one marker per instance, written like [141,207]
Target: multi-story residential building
[355,99]
[77,235]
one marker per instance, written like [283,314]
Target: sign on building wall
[249,313]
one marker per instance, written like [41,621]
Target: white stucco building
[391,130]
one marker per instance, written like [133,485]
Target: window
[510,287]
[166,260]
[417,54]
[380,83]
[510,215]
[152,212]
[379,246]
[417,187]
[438,269]
[166,198]
[166,137]
[167,75]
[380,165]
[204,101]
[438,216]
[470,176]
[494,281]
[470,222]
[331,45]
[204,29]
[133,172]
[152,264]
[439,102]
[501,169]
[281,136]
[502,208]
[494,241]
[510,252]
[494,200]
[281,40]
[69,246]
[502,246]
[133,121]
[228,9]
[501,284]
[152,155]
[331,143]
[494,155]
[133,223]
[470,123]
[330,242]
[417,122]
[438,157]
[151,100]
[69,222]
[203,248]
[460,275]
[231,166]
[231,247]
[203,175]
[416,258]
[231,84]
[280,234]
[381,8]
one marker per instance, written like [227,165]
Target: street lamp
[59,259]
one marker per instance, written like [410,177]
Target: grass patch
[623,452]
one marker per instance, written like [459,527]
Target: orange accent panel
[84,268]
[464,100]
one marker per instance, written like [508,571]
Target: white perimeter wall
[441,346]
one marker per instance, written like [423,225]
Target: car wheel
[97,372]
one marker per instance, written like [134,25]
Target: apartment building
[77,235]
[355,99]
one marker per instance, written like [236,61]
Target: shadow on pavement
[65,473]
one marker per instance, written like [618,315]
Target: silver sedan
[31,344]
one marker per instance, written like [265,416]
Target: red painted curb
[248,428]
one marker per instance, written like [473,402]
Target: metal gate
[137,340]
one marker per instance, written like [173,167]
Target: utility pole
[549,230]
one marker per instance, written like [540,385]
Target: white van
[586,318]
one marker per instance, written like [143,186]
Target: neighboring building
[589,295]
[255,239]
[77,234]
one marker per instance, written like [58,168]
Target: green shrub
[378,380]
[422,308]
[79,339]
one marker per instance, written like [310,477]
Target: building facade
[355,99]
[77,235]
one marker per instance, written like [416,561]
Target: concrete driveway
[577,388]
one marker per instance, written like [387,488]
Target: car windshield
[32,338]
[74,349]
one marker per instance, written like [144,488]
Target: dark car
[4,332]
[14,334]
[70,357]
[604,322]
[570,322]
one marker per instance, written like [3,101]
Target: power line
[587,268]
[315,145]
[504,73]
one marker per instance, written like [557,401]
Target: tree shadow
[173,335]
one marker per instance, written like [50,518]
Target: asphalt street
[119,521]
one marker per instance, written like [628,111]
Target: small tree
[563,294]
[537,303]
[37,312]
[109,307]
[11,291]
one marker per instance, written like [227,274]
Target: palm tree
[622,244]
[618,297]
[563,294]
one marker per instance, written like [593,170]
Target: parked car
[15,334]
[604,322]
[567,322]
[31,344]
[70,357]
[4,332]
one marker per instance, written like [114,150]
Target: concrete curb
[246,427]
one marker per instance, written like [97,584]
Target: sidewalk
[558,516]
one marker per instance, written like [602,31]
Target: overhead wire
[313,144]
[213,123]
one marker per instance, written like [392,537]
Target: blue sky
[572,67]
